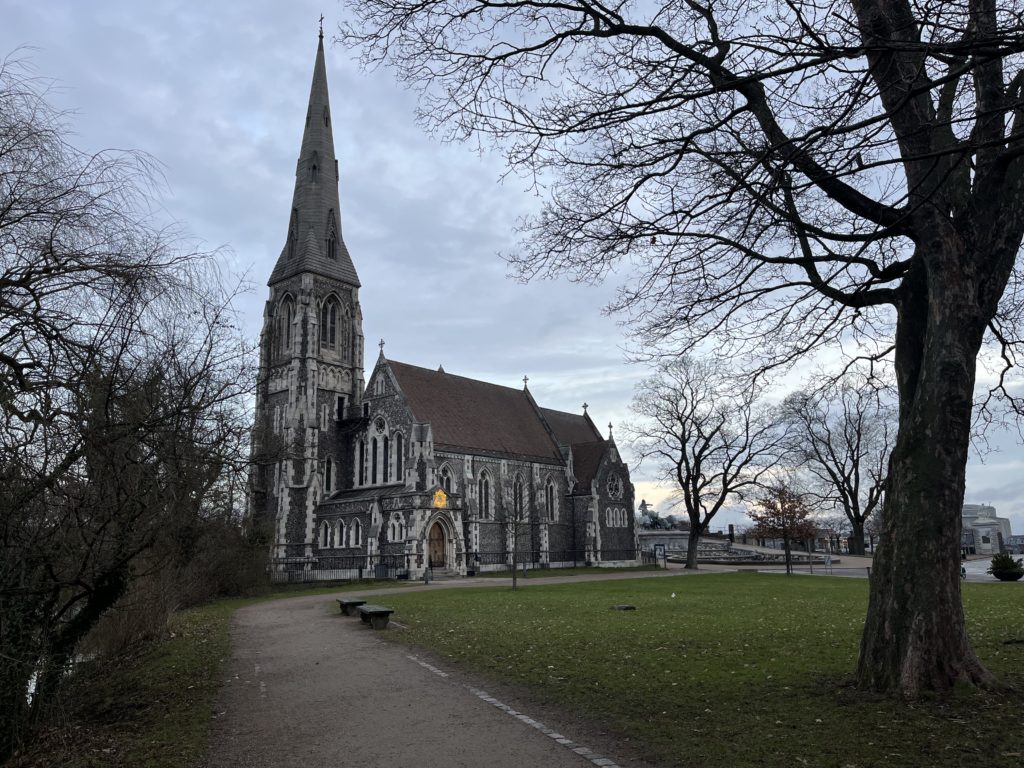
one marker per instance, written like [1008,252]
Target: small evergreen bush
[1005,568]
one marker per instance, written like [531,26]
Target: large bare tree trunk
[914,638]
[693,545]
[856,537]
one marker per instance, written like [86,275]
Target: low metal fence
[313,568]
[486,562]
[302,569]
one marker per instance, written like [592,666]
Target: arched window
[327,117]
[325,532]
[446,479]
[340,536]
[396,530]
[286,316]
[399,455]
[386,464]
[483,490]
[329,323]
[362,462]
[517,498]
[549,500]
[355,534]
[343,333]
[373,461]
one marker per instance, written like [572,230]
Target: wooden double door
[436,546]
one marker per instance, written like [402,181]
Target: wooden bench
[375,615]
[348,607]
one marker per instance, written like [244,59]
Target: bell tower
[311,349]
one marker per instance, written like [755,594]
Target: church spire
[314,242]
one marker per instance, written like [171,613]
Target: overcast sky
[217,93]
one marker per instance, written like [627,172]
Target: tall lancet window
[285,316]
[344,334]
[314,167]
[332,236]
[329,323]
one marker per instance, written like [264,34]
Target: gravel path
[309,687]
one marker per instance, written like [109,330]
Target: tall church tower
[311,349]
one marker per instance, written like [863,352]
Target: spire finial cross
[381,345]
[321,26]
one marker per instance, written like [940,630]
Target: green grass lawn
[736,670]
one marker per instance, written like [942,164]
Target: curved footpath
[307,686]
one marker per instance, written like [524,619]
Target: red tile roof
[475,416]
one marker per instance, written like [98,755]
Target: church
[413,468]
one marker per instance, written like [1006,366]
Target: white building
[983,532]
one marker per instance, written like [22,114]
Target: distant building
[983,533]
[1015,544]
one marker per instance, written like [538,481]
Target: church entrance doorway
[436,546]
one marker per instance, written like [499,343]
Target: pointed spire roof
[314,242]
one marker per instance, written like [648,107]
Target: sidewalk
[307,686]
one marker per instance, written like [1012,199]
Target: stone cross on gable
[525,380]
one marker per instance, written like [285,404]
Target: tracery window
[329,323]
[549,500]
[396,529]
[446,479]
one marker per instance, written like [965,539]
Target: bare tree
[515,517]
[781,512]
[779,177]
[122,393]
[710,441]
[842,438]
